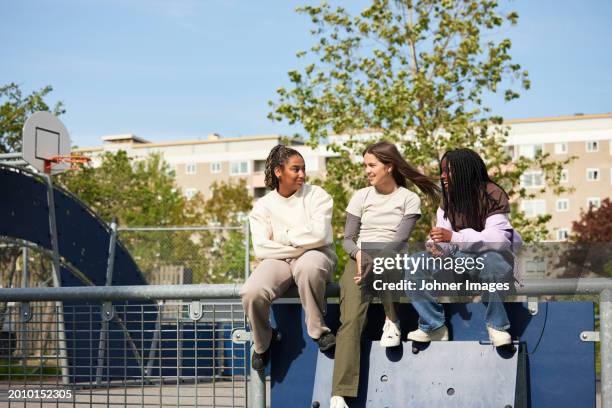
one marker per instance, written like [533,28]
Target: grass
[14,370]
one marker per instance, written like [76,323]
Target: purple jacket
[497,235]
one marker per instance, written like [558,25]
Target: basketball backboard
[45,136]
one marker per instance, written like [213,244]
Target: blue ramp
[556,368]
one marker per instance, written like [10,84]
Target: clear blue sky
[175,70]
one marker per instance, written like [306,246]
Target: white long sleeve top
[286,227]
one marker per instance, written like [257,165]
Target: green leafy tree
[415,73]
[15,108]
[228,205]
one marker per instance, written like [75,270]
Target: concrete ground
[220,394]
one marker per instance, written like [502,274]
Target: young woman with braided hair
[292,236]
[386,211]
[472,222]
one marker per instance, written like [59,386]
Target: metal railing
[153,355]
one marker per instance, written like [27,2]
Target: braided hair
[277,158]
[466,195]
[387,153]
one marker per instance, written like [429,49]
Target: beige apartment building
[588,138]
[199,163]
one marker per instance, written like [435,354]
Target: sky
[180,70]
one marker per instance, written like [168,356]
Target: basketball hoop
[73,160]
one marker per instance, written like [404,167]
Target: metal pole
[110,265]
[605,337]
[257,386]
[63,351]
[587,286]
[25,276]
[25,279]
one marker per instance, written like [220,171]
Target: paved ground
[221,394]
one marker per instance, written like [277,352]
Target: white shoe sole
[389,343]
[440,334]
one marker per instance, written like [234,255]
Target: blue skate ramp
[555,368]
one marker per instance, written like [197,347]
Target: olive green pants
[353,318]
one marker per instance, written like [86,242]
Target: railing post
[257,386]
[605,336]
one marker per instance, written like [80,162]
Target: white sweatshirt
[285,228]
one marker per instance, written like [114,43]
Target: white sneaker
[499,337]
[391,334]
[440,334]
[337,402]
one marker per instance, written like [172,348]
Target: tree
[228,205]
[415,73]
[229,202]
[136,193]
[15,108]
[590,247]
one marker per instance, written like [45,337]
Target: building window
[239,168]
[532,179]
[530,151]
[562,204]
[564,176]
[215,167]
[592,146]
[594,202]
[593,174]
[562,234]
[190,193]
[560,148]
[259,166]
[533,208]
[190,168]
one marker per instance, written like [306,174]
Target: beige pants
[310,272]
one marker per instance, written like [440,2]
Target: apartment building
[588,138]
[199,163]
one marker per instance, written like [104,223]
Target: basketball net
[73,160]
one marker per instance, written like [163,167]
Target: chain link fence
[190,254]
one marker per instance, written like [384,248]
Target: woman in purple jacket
[471,223]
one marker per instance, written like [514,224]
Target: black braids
[466,194]
[277,158]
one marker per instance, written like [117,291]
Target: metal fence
[173,353]
[130,353]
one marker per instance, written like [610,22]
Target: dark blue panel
[560,367]
[83,238]
[23,206]
[83,241]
